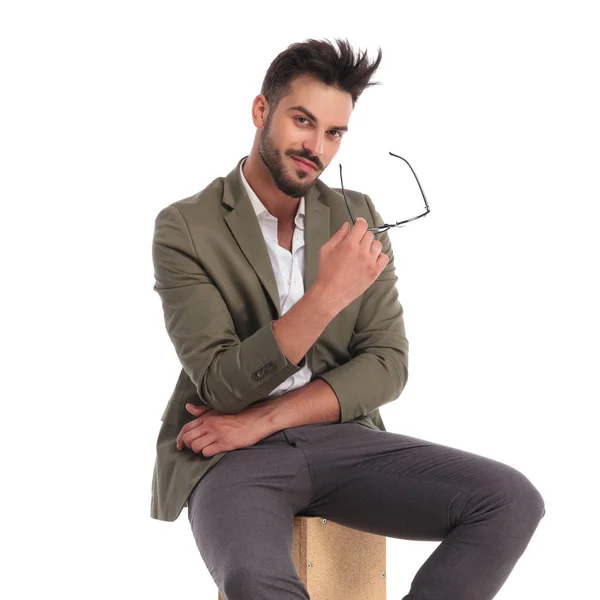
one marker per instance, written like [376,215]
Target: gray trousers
[241,512]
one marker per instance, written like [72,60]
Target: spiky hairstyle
[342,68]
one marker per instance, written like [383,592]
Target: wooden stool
[335,562]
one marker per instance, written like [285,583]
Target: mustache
[306,156]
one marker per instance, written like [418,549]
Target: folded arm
[229,374]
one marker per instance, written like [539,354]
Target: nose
[314,144]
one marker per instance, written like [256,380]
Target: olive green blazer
[219,297]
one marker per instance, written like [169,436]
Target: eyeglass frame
[387,226]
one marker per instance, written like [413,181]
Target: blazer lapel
[245,228]
[316,232]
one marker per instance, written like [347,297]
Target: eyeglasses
[386,226]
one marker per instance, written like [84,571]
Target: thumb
[193,408]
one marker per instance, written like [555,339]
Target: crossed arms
[231,374]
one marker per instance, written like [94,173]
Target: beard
[273,160]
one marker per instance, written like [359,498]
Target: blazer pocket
[175,414]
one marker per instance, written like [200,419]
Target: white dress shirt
[288,268]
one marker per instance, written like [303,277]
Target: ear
[260,111]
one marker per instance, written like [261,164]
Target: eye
[303,118]
[339,133]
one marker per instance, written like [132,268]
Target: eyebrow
[311,116]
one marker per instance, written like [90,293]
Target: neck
[284,208]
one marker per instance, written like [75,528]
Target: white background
[112,110]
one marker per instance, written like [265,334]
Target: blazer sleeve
[229,374]
[378,370]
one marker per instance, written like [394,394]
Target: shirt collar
[259,207]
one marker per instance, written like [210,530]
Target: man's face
[308,123]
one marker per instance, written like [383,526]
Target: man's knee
[242,582]
[264,581]
[521,498]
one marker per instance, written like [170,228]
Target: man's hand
[213,431]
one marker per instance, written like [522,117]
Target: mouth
[305,165]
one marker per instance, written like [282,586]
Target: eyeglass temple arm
[346,199]
[418,183]
[398,223]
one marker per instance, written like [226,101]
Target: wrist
[266,413]
[324,300]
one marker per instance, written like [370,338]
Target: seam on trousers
[312,486]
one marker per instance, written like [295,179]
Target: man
[288,327]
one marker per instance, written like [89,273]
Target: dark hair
[341,68]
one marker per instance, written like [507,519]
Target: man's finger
[198,411]
[183,431]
